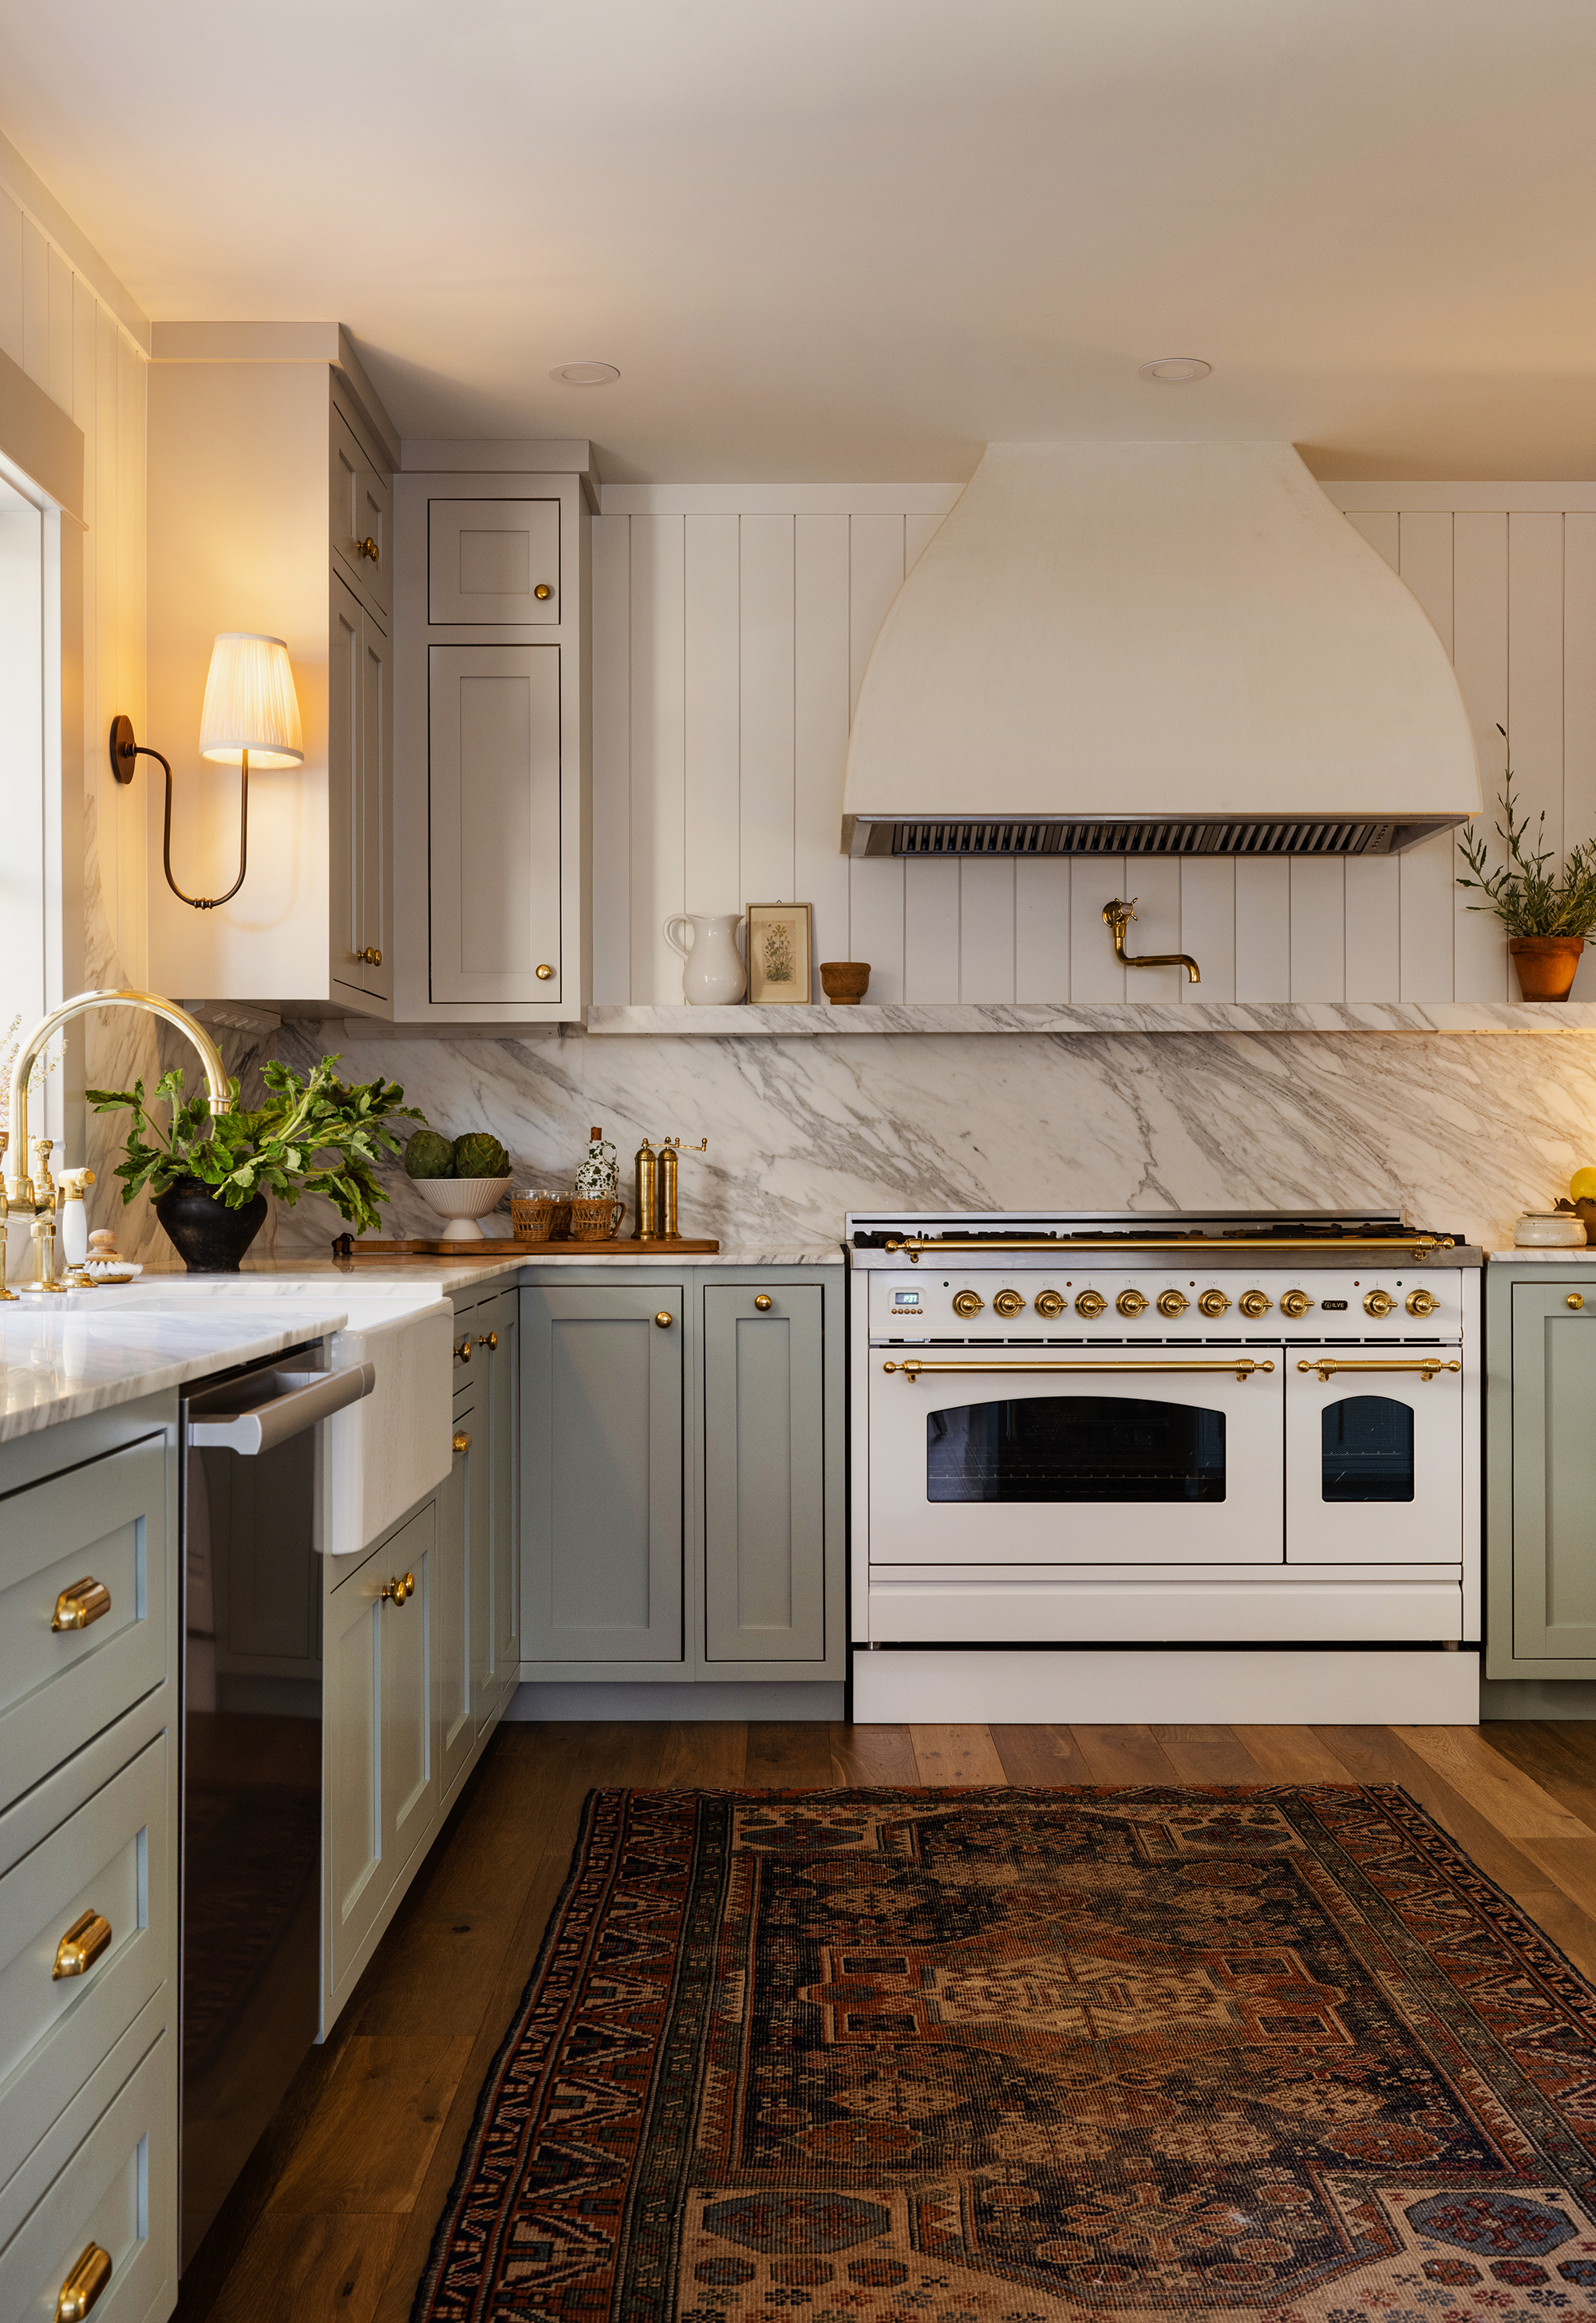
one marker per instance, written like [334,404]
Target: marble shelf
[807,1024]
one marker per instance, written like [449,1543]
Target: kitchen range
[1108,1464]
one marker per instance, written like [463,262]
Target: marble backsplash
[1460,1132]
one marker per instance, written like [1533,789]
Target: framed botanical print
[780,954]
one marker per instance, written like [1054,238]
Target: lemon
[1581,1185]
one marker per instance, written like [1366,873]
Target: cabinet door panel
[456,1727]
[601,1437]
[486,559]
[410,1774]
[764,1475]
[494,791]
[376,812]
[353,1737]
[360,501]
[346,854]
[1554,1476]
[499,1318]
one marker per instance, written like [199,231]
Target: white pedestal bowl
[462,1201]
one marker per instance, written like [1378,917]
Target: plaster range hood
[1153,649]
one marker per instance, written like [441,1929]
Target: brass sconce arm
[1119,915]
[124,752]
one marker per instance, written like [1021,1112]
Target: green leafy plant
[1529,899]
[316,1136]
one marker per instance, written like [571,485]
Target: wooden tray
[494,1246]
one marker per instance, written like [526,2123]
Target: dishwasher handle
[303,1398]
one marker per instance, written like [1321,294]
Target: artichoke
[479,1154]
[428,1155]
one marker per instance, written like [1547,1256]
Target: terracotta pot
[845,982]
[1546,965]
[210,1238]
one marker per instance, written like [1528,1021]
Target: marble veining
[64,1361]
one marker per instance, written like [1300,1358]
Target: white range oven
[1131,1429]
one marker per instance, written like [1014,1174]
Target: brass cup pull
[83,2286]
[372,956]
[1575,1299]
[462,1352]
[544,972]
[543,593]
[488,1339]
[81,1946]
[82,1604]
[367,547]
[397,1590]
[461,1440]
[665,1319]
[763,1302]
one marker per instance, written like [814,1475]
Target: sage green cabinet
[459,1508]
[764,1473]
[1541,1471]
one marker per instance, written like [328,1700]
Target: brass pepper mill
[669,1148]
[645,1196]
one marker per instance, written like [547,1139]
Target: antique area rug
[923,2056]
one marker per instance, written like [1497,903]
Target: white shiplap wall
[74,344]
[731,631]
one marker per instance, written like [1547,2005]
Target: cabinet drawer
[119,2191]
[110,1856]
[109,1522]
[360,501]
[487,559]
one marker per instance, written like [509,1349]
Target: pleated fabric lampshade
[251,704]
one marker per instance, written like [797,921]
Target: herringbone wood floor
[335,2215]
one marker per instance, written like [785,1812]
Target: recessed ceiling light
[1174,371]
[592,374]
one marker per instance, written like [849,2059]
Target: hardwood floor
[335,2213]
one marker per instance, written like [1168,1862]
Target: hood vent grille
[883,835]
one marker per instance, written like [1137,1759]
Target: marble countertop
[1577,1254]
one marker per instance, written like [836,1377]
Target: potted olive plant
[210,1175]
[1547,912]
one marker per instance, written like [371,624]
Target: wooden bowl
[845,982]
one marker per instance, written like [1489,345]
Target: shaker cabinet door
[360,778]
[487,560]
[494,819]
[1554,1475]
[456,1725]
[361,502]
[601,1403]
[765,1481]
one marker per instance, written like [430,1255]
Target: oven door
[1373,1456]
[1155,1458]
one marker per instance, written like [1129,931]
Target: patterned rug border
[971,1793]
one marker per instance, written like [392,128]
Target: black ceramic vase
[210,1238]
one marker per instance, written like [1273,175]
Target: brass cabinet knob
[543,971]
[543,593]
[1575,1299]
[1090,1304]
[1048,1305]
[1295,1303]
[83,2286]
[1131,1303]
[1377,1303]
[462,1352]
[665,1318]
[82,1604]
[397,1590]
[488,1339]
[1172,1303]
[1214,1302]
[1253,1303]
[1009,1303]
[968,1303]
[1421,1303]
[763,1302]
[372,956]
[81,1946]
[461,1440]
[367,547]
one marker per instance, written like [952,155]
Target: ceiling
[855,240]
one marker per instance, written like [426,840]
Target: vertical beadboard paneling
[1482,970]
[612,759]
[819,732]
[11,277]
[765,623]
[658,790]
[1579,701]
[876,924]
[877,898]
[1425,877]
[713,715]
[1425,563]
[1263,929]
[987,931]
[1156,887]
[1535,671]
[931,928]
[59,362]
[35,305]
[1379,529]
[1042,928]
[1208,925]
[1373,927]
[1094,973]
[1318,928]
[917,532]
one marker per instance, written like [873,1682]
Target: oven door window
[1366,1449]
[1074,1447]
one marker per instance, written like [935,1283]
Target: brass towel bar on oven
[1415,1246]
[1427,1366]
[1243,1366]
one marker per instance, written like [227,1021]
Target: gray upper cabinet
[601,1446]
[765,1473]
[361,519]
[492,561]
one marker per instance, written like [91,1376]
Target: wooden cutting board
[506,1246]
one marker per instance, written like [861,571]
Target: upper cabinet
[492,781]
[271,508]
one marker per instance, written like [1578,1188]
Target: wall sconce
[251,709]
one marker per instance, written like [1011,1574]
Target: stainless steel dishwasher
[252,1695]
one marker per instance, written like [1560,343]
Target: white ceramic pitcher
[714,972]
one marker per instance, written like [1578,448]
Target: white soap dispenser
[74,1218]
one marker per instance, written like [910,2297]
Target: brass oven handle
[1425,1365]
[399,1590]
[1415,1245]
[1243,1366]
[81,1946]
[82,1604]
[83,2286]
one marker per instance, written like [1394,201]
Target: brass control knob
[1090,1304]
[1254,1303]
[968,1303]
[1131,1303]
[1172,1303]
[1214,1302]
[1295,1303]
[1380,1303]
[1421,1303]
[1008,1304]
[1049,1304]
